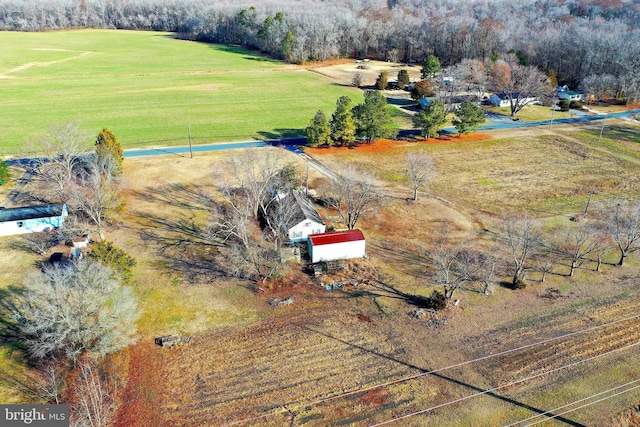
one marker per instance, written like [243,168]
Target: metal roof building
[31,219]
[336,245]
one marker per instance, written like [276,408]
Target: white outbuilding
[336,245]
[32,219]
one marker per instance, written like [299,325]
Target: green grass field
[148,88]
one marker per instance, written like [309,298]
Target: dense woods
[573,38]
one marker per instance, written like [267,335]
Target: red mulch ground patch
[383,145]
[141,401]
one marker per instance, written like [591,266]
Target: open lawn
[149,88]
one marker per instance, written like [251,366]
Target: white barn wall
[337,251]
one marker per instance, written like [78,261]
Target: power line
[293,405]
[551,411]
[491,390]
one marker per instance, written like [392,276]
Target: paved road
[500,122]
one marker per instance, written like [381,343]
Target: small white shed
[336,245]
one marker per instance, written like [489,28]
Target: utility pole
[189,136]
[553,110]
[588,202]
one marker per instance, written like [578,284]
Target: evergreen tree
[431,119]
[373,117]
[403,79]
[5,172]
[343,126]
[287,46]
[109,255]
[467,117]
[430,67]
[553,78]
[318,132]
[382,81]
[107,145]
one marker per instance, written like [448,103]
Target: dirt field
[281,370]
[343,73]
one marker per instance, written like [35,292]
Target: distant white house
[336,245]
[503,100]
[302,218]
[32,219]
[571,95]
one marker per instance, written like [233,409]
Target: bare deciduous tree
[603,244]
[523,238]
[95,193]
[544,263]
[40,243]
[420,169]
[576,246]
[44,383]
[456,264]
[65,312]
[243,245]
[352,195]
[93,396]
[63,149]
[254,172]
[521,85]
[623,220]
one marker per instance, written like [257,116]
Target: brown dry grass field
[344,71]
[325,359]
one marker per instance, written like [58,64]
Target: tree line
[574,39]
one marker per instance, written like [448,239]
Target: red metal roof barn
[336,245]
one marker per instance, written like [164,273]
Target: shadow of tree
[10,336]
[413,262]
[192,197]
[182,245]
[381,288]
[282,133]
[181,242]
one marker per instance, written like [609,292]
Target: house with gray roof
[32,219]
[303,219]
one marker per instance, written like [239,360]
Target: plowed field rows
[285,368]
[221,377]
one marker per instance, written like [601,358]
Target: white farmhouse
[336,245]
[302,219]
[32,219]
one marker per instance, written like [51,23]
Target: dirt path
[23,67]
